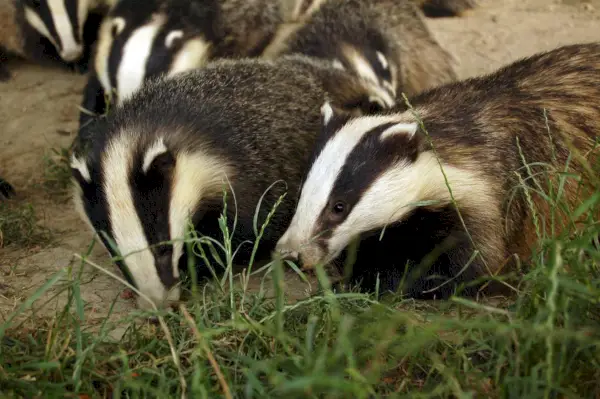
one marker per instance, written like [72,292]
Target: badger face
[133,47]
[373,67]
[365,174]
[139,196]
[61,22]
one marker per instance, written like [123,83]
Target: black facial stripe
[161,57]
[151,193]
[370,158]
[72,10]
[46,16]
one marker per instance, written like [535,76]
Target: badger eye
[36,3]
[339,208]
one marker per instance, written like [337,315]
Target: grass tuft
[19,226]
[57,172]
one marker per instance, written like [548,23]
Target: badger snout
[164,301]
[71,53]
[286,247]
[305,254]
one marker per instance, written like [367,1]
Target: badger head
[139,194]
[61,22]
[138,43]
[366,173]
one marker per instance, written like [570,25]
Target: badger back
[521,128]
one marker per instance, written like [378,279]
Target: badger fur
[297,10]
[380,171]
[385,42]
[51,31]
[168,151]
[6,190]
[171,36]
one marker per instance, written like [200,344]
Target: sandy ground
[39,111]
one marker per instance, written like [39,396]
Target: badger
[167,153]
[171,36]
[500,140]
[6,190]
[385,42]
[51,31]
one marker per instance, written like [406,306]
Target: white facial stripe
[193,54]
[82,167]
[196,176]
[401,128]
[382,60]
[323,174]
[105,40]
[128,232]
[136,52]
[172,36]
[326,113]
[36,22]
[70,50]
[155,150]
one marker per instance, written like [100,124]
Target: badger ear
[407,129]
[333,117]
[158,158]
[406,135]
[327,112]
[79,169]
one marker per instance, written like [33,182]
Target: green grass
[542,342]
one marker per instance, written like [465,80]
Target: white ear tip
[408,129]
[172,36]
[326,112]
[119,24]
[337,64]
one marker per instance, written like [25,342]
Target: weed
[19,226]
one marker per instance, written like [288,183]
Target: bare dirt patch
[39,111]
